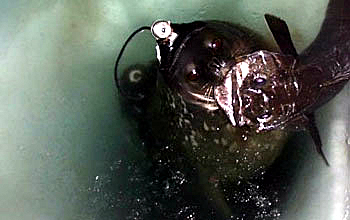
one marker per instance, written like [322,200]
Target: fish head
[260,91]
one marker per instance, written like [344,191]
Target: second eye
[192,75]
[215,44]
[259,82]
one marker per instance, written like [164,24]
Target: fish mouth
[228,94]
[258,90]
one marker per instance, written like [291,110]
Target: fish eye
[264,117]
[259,82]
[192,75]
[161,29]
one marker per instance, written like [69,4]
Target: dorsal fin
[280,32]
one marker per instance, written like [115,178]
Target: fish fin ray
[281,34]
[313,130]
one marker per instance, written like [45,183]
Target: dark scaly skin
[294,85]
[327,60]
[323,68]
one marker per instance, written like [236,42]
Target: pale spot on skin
[233,148]
[180,123]
[193,141]
[205,126]
[224,141]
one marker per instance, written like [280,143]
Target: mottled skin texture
[198,128]
[206,111]
[207,138]
[186,132]
[188,138]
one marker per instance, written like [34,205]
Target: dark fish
[297,85]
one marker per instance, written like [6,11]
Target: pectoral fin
[280,32]
[312,127]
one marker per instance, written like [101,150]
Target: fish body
[295,85]
[323,68]
[279,90]
[327,59]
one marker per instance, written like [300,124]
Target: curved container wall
[61,131]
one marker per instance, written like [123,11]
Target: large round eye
[215,44]
[161,29]
[191,72]
[259,82]
[192,75]
[264,117]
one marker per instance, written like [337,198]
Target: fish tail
[330,51]
[335,30]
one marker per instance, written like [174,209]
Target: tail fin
[335,32]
